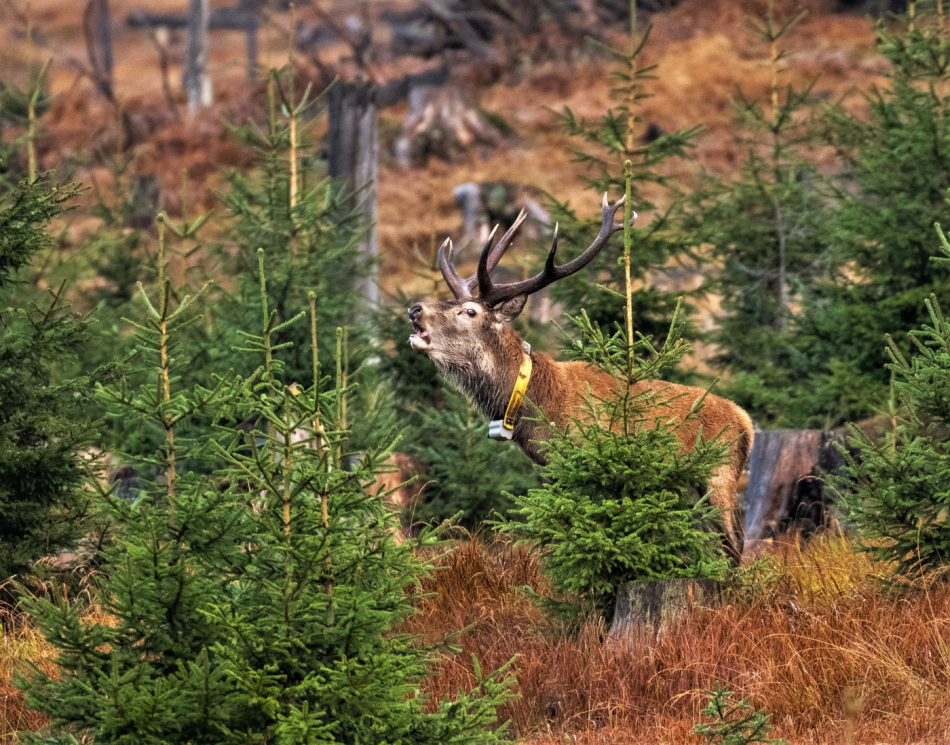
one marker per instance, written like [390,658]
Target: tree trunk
[651,606]
[97,28]
[353,157]
[197,82]
[785,483]
[253,10]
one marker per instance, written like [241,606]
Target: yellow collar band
[504,429]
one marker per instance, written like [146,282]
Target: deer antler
[462,288]
[493,294]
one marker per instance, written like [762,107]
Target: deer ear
[511,309]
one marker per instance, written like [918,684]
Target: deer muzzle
[420,338]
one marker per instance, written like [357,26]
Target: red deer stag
[475,350]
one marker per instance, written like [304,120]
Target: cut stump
[652,606]
[443,122]
[786,484]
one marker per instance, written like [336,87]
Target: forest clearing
[428,371]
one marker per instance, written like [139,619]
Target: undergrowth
[810,635]
[21,644]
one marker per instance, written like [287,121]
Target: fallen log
[234,18]
[245,16]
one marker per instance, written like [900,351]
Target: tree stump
[443,123]
[785,483]
[491,203]
[652,606]
[145,202]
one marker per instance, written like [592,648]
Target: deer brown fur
[476,351]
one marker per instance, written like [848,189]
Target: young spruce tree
[898,174]
[302,223]
[619,499]
[768,233]
[45,438]
[901,487]
[305,227]
[258,604]
[622,134]
[142,668]
[733,723]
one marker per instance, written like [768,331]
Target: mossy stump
[652,606]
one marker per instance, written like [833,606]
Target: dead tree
[786,483]
[252,21]
[353,139]
[197,82]
[245,16]
[97,28]
[353,157]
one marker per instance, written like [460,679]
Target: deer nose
[415,312]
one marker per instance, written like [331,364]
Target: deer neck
[489,385]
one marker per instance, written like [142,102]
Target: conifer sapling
[619,502]
[900,495]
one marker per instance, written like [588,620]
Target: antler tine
[504,243]
[460,288]
[494,294]
[491,256]
[549,261]
[473,281]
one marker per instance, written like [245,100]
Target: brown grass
[807,635]
[20,645]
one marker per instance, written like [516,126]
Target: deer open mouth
[420,339]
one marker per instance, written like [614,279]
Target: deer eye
[471,312]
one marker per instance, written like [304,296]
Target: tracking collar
[504,429]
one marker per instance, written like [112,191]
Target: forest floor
[812,636]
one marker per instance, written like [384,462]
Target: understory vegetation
[811,636]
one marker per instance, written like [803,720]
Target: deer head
[468,338]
